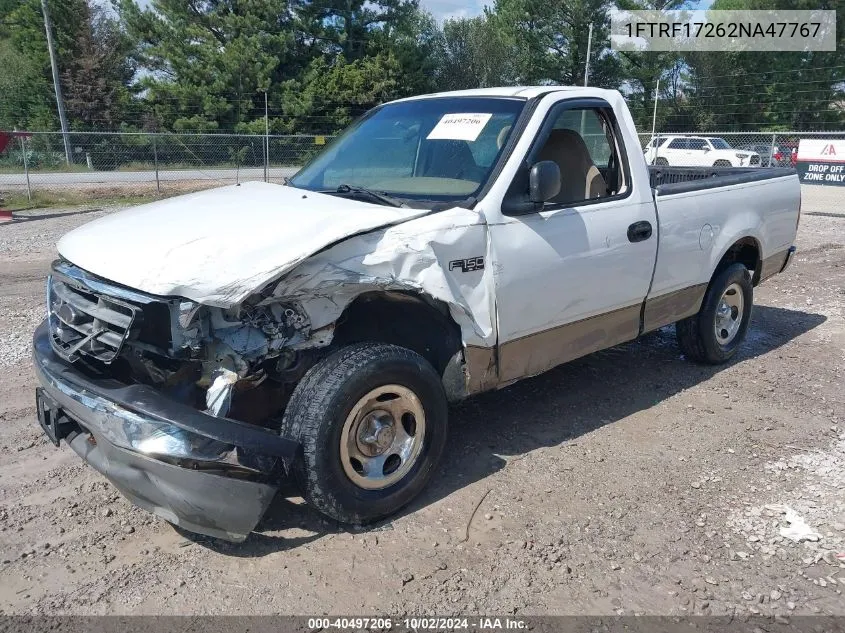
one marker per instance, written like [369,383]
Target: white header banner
[821,150]
[735,31]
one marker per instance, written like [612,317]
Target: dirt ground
[630,481]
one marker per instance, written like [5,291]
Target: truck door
[571,276]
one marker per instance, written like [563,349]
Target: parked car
[780,155]
[769,155]
[699,151]
[788,152]
[200,349]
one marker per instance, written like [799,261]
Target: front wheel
[713,335]
[372,422]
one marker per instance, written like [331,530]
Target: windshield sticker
[460,126]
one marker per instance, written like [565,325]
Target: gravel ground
[630,481]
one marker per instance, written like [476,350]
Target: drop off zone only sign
[821,161]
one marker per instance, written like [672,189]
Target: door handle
[639,231]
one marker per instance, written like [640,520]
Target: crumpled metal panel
[414,256]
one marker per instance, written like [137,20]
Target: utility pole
[266,140]
[586,79]
[589,49]
[654,121]
[60,104]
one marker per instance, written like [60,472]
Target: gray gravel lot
[630,481]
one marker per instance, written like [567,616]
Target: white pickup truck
[200,348]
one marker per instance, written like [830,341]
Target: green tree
[549,40]
[760,90]
[95,82]
[641,70]
[332,93]
[26,95]
[25,73]
[206,60]
[473,53]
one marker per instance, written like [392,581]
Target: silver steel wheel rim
[382,437]
[729,314]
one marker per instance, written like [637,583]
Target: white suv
[697,151]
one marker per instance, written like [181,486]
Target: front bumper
[209,475]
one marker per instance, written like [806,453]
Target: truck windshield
[438,149]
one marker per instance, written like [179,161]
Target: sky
[440,9]
[446,9]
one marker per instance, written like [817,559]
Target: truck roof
[525,92]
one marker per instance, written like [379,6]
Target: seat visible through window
[580,178]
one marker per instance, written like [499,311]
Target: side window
[678,143]
[588,124]
[583,142]
[697,143]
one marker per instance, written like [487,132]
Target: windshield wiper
[375,195]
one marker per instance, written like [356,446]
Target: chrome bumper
[209,475]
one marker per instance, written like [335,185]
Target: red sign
[5,137]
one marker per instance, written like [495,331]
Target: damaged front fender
[426,256]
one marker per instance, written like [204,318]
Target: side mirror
[543,181]
[706,149]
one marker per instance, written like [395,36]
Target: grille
[755,160]
[83,321]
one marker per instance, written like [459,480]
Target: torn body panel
[426,256]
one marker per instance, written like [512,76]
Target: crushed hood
[219,246]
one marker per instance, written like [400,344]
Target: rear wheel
[372,421]
[713,335]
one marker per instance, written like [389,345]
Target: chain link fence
[35,171]
[127,165]
[775,149]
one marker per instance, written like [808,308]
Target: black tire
[722,163]
[661,162]
[320,405]
[697,335]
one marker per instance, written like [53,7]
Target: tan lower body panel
[773,264]
[535,353]
[672,307]
[482,373]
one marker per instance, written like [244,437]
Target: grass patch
[17,201]
[18,169]
[98,195]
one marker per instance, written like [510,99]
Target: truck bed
[671,180]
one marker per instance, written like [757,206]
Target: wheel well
[746,252]
[412,321]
